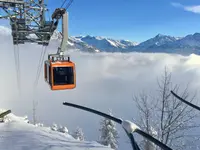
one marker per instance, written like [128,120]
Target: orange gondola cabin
[60,73]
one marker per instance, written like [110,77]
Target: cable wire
[40,65]
[17,67]
[35,103]
[63,3]
[35,83]
[19,73]
[69,4]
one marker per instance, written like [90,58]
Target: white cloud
[193,8]
[177,5]
[104,81]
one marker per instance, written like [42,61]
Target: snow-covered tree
[109,134]
[54,127]
[63,129]
[78,134]
[59,128]
[39,125]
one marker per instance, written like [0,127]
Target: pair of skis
[130,127]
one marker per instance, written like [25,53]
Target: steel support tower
[28,22]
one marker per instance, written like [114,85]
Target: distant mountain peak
[57,35]
[160,35]
[196,35]
[164,36]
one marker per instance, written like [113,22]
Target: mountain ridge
[160,43]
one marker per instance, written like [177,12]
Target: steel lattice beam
[28,17]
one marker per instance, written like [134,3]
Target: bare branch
[165,117]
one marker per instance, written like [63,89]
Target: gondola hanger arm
[61,13]
[63,45]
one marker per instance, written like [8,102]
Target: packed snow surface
[17,134]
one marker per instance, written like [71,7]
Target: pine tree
[109,134]
[78,134]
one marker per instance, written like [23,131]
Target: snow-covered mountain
[18,134]
[107,44]
[190,40]
[158,40]
[95,44]
[75,43]
[160,43]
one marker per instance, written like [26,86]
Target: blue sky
[135,20]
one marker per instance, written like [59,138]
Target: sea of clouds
[104,81]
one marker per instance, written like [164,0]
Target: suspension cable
[40,65]
[35,103]
[19,73]
[17,64]
[17,67]
[63,3]
[68,4]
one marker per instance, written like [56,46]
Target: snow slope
[17,134]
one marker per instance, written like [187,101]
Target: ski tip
[3,114]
